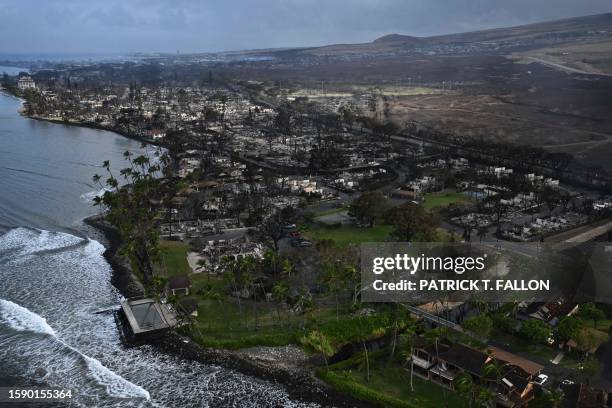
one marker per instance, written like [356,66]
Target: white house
[26,82]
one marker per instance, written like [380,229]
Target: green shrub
[504,323]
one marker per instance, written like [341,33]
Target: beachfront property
[143,319]
[446,362]
[26,82]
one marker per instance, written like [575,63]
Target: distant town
[243,229]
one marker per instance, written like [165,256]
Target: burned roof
[465,357]
[517,380]
[430,347]
[179,282]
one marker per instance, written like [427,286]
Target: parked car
[300,242]
[294,234]
[565,383]
[541,379]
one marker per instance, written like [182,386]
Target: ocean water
[11,70]
[56,291]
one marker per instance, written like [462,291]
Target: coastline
[79,124]
[94,126]
[286,365]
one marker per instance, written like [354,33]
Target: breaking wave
[29,241]
[21,319]
[66,279]
[89,196]
[114,383]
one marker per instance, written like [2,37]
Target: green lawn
[592,366]
[603,325]
[389,386]
[224,321]
[174,258]
[444,199]
[331,211]
[345,235]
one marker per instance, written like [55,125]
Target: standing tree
[567,329]
[465,386]
[369,207]
[133,208]
[411,221]
[280,293]
[535,330]
[589,311]
[480,324]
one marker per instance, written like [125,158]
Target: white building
[26,82]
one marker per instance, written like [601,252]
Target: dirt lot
[480,96]
[595,58]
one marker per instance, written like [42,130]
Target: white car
[541,379]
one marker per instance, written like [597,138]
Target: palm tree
[271,258]
[465,386]
[230,267]
[434,336]
[556,398]
[494,368]
[408,346]
[485,398]
[303,301]
[280,293]
[397,314]
[333,278]
[247,268]
[363,337]
[288,267]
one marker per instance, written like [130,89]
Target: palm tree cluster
[132,205]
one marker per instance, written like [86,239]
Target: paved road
[564,68]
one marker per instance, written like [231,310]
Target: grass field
[444,199]
[389,386]
[174,258]
[345,235]
[225,322]
[331,211]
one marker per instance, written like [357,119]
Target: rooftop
[147,315]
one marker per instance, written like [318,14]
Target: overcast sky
[110,26]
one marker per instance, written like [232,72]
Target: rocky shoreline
[287,365]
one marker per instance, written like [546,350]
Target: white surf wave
[28,241]
[90,195]
[22,319]
[115,384]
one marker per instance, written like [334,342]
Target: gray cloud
[203,25]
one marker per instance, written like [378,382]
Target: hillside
[521,38]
